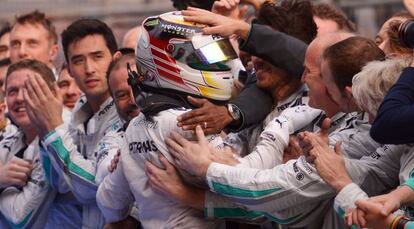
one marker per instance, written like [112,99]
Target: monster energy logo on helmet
[177,28]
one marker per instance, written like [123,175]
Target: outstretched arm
[258,40]
[268,152]
[277,48]
[277,190]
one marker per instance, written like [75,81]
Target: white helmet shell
[174,54]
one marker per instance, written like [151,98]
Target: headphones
[135,82]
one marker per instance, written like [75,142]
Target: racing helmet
[173,55]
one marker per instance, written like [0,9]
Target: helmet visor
[211,56]
[218,51]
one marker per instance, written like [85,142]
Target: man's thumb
[326,124]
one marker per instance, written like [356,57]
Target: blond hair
[370,86]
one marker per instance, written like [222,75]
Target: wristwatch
[234,111]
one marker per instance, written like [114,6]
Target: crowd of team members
[275,134]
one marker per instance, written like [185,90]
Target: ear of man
[53,52]
[117,55]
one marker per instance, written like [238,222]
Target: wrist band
[394,222]
[401,223]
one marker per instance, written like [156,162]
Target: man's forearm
[254,104]
[277,48]
[243,29]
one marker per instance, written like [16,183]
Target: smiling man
[28,205]
[119,88]
[286,90]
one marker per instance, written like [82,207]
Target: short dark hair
[327,11]
[293,17]
[347,58]
[34,65]
[115,64]
[125,51]
[85,27]
[5,29]
[202,4]
[37,17]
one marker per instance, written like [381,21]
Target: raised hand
[43,105]
[293,151]
[166,181]
[192,157]
[394,200]
[212,118]
[169,183]
[229,8]
[368,214]
[307,139]
[219,24]
[330,164]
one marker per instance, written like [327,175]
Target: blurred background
[122,15]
